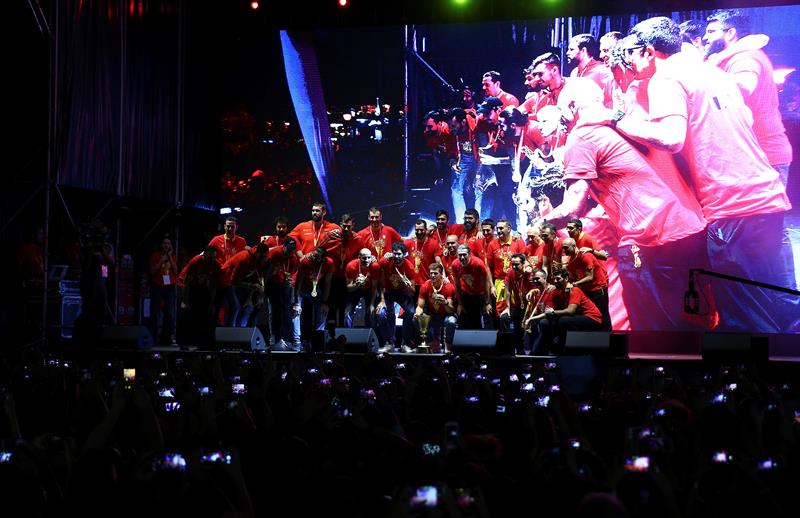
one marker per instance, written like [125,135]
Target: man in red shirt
[201,278]
[363,278]
[439,235]
[396,287]
[281,267]
[467,232]
[534,248]
[473,289]
[449,257]
[545,81]
[316,232]
[551,251]
[163,281]
[491,88]
[498,260]
[228,244]
[585,272]
[244,283]
[480,247]
[572,311]
[583,52]
[697,110]
[465,165]
[348,249]
[281,233]
[378,237]
[519,285]
[423,250]
[312,292]
[437,299]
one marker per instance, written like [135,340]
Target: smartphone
[721,457]
[166,392]
[129,375]
[637,464]
[344,412]
[660,412]
[312,370]
[527,387]
[325,382]
[6,456]
[483,366]
[204,391]
[478,376]
[400,366]
[431,449]
[501,409]
[554,388]
[585,407]
[472,399]
[731,387]
[575,444]
[513,377]
[223,457]
[425,496]
[550,366]
[718,398]
[766,464]
[238,388]
[464,498]
[368,393]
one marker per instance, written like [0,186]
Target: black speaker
[596,343]
[244,338]
[127,337]
[359,339]
[734,347]
[474,340]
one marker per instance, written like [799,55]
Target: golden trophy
[424,322]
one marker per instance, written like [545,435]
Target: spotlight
[254,5]
[343,3]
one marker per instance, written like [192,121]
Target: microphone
[691,300]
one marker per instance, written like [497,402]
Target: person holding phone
[163,282]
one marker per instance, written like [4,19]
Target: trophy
[424,322]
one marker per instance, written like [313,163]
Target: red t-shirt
[553,252]
[507,99]
[518,286]
[534,253]
[598,72]
[578,267]
[730,173]
[422,254]
[347,251]
[273,241]
[763,103]
[166,274]
[457,229]
[649,206]
[471,277]
[390,273]
[226,249]
[480,248]
[498,256]
[241,268]
[586,307]
[426,291]
[448,261]
[372,272]
[440,237]
[280,265]
[308,273]
[200,274]
[443,141]
[379,242]
[309,237]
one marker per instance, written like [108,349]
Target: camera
[6,456]
[527,387]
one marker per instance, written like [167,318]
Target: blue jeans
[752,247]
[386,316]
[460,181]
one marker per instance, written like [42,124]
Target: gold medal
[314,289]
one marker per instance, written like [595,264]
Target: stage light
[254,5]
[343,3]
[460,2]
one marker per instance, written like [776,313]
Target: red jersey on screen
[393,273]
[648,207]
[379,241]
[227,248]
[498,255]
[347,251]
[422,253]
[371,272]
[472,276]
[427,290]
[281,266]
[518,285]
[442,141]
[309,273]
[30,260]
[507,99]
[730,174]
[578,267]
[576,296]
[601,75]
[309,237]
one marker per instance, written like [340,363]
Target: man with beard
[396,287]
[378,237]
[465,165]
[491,88]
[441,142]
[228,243]
[312,292]
[439,235]
[467,232]
[279,289]
[363,277]
[498,260]
[582,53]
[423,250]
[519,286]
[697,110]
[436,298]
[349,245]
[731,47]
[571,310]
[473,289]
[316,233]
[545,80]
[607,42]
[281,233]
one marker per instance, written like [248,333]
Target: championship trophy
[424,322]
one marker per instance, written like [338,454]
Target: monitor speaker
[474,340]
[244,338]
[734,347]
[358,339]
[596,343]
[126,337]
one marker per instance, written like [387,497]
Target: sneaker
[297,346]
[385,348]
[281,345]
[406,349]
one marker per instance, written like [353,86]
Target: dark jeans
[752,247]
[600,299]
[471,315]
[338,299]
[165,295]
[281,312]
[653,293]
[514,318]
[553,331]
[386,317]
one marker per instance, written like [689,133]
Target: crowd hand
[569,286]
[548,311]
